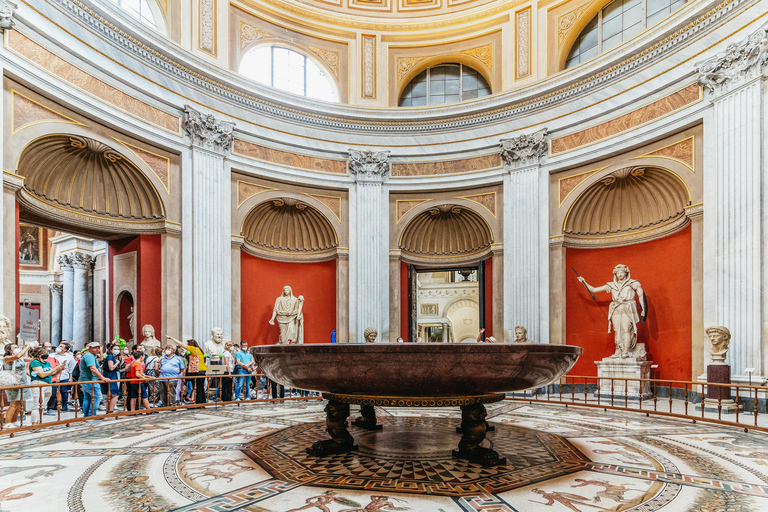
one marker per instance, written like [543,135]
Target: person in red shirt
[137,383]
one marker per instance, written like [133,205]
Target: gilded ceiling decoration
[681,151]
[288,225]
[626,201]
[446,230]
[87,176]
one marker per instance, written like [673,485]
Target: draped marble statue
[6,336]
[287,310]
[150,341]
[622,313]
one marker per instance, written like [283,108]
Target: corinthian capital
[56,289]
[81,261]
[739,61]
[368,165]
[524,150]
[65,261]
[6,14]
[206,131]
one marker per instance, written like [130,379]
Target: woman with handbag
[14,373]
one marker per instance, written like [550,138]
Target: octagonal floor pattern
[252,458]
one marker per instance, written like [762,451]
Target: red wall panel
[262,281]
[148,300]
[663,268]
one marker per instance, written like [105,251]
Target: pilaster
[207,236]
[56,296]
[369,245]
[734,225]
[526,261]
[68,296]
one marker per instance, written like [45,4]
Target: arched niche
[626,206]
[83,185]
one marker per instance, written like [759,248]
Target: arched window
[617,22]
[446,83]
[289,71]
[139,9]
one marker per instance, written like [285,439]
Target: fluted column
[56,296]
[81,263]
[68,296]
[736,280]
[206,230]
[526,254]
[368,246]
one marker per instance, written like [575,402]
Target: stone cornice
[208,132]
[368,166]
[525,150]
[739,62]
[193,72]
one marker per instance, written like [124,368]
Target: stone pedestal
[719,398]
[619,369]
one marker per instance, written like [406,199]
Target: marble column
[735,223]
[342,296]
[81,263]
[368,246]
[68,296]
[526,256]
[56,296]
[206,231]
[9,254]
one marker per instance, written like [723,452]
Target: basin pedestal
[473,424]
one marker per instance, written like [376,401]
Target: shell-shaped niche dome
[447,230]
[85,175]
[626,201]
[288,225]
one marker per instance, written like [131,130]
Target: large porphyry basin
[416,369]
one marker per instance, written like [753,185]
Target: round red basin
[416,369]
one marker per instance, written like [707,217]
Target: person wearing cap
[89,371]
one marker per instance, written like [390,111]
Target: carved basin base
[473,424]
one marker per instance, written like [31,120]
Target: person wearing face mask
[171,368]
[65,357]
[111,370]
[13,362]
[41,371]
[138,380]
[229,365]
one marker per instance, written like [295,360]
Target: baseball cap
[94,344]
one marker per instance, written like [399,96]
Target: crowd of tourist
[124,378]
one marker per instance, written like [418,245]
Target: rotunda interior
[186,180]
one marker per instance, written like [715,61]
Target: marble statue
[370,334]
[720,338]
[521,334]
[132,323]
[214,347]
[287,310]
[6,336]
[149,342]
[622,313]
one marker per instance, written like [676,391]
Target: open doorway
[446,304]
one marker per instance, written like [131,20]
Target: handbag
[9,378]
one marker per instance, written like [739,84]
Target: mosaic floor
[252,458]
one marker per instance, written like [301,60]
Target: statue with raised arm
[622,313]
[289,317]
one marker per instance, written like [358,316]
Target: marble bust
[214,347]
[288,312]
[521,334]
[149,342]
[370,334]
[622,313]
[5,333]
[720,338]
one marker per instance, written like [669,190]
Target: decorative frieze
[369,66]
[523,43]
[738,62]
[207,131]
[7,9]
[525,150]
[368,165]
[208,26]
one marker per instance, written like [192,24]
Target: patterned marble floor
[252,458]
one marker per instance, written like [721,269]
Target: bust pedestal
[618,369]
[718,398]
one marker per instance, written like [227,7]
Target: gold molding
[14,129]
[399,216]
[241,200]
[559,183]
[167,182]
[692,167]
[470,198]
[338,214]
